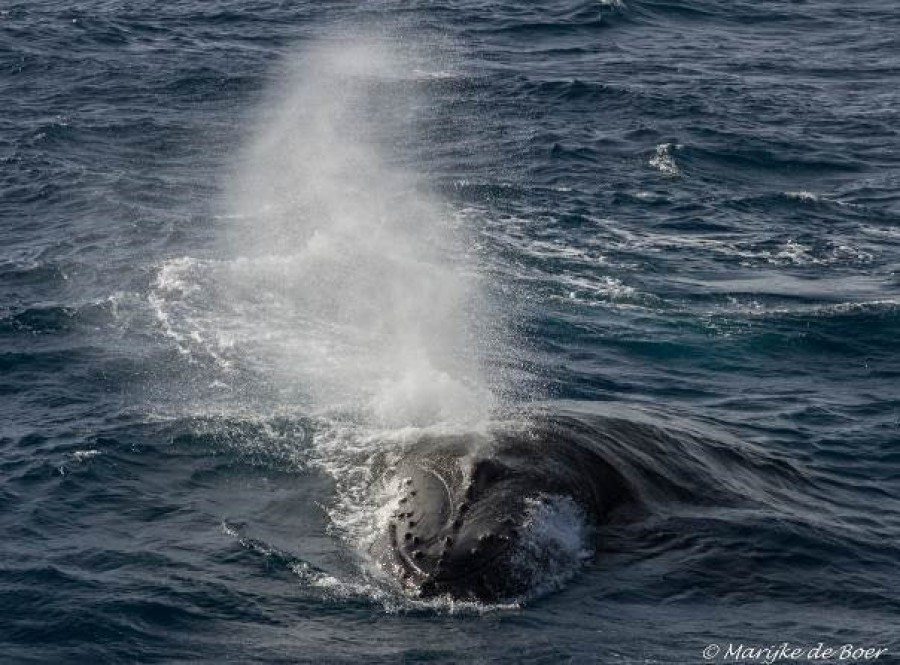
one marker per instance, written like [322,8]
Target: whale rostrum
[466,504]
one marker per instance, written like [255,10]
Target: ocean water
[250,247]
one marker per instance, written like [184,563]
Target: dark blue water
[685,212]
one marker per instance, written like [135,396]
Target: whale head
[489,518]
[455,530]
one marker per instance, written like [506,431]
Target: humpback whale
[466,504]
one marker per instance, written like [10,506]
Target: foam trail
[353,281]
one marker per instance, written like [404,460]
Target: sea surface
[246,247]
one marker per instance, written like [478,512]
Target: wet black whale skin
[464,503]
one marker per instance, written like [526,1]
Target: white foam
[750,253]
[792,252]
[664,159]
[805,196]
[84,455]
[182,300]
[751,307]
[554,545]
[603,286]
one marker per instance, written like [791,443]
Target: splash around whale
[495,515]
